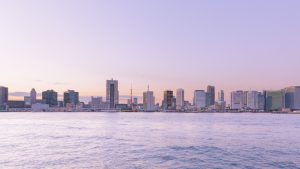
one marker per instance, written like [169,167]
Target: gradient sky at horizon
[168,44]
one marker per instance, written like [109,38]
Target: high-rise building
[179,99]
[71,97]
[211,95]
[274,100]
[252,100]
[199,99]
[50,97]
[292,98]
[261,101]
[237,100]
[32,96]
[112,93]
[148,101]
[3,97]
[168,102]
[245,99]
[221,96]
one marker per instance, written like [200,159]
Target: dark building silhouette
[50,97]
[71,97]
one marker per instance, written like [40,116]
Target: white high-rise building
[237,99]
[200,99]
[112,93]
[148,101]
[252,100]
[179,99]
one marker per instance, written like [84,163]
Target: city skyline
[65,45]
[123,98]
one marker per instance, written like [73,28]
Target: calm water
[149,140]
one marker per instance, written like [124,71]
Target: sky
[166,44]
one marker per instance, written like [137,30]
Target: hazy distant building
[50,97]
[16,104]
[274,100]
[179,99]
[112,93]
[39,107]
[96,102]
[148,101]
[221,96]
[292,98]
[210,95]
[245,99]
[199,99]
[237,100]
[32,96]
[252,100]
[3,97]
[71,97]
[27,101]
[135,101]
[261,101]
[168,102]
[220,106]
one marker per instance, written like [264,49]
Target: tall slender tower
[32,96]
[148,101]
[179,99]
[3,97]
[112,93]
[210,95]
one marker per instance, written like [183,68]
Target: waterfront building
[292,98]
[274,100]
[96,102]
[122,107]
[50,97]
[148,101]
[3,97]
[32,96]
[199,99]
[16,104]
[221,96]
[39,107]
[237,100]
[252,100]
[179,99]
[71,97]
[245,99]
[135,101]
[27,101]
[168,102]
[210,95]
[112,93]
[220,106]
[261,101]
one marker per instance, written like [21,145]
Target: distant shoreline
[158,112]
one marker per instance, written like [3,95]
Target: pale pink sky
[169,44]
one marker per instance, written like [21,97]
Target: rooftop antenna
[148,88]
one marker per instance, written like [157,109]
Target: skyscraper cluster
[287,99]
